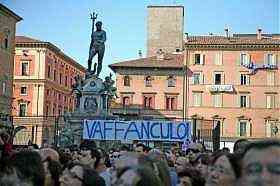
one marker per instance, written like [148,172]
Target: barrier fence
[46,129]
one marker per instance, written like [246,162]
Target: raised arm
[93,17]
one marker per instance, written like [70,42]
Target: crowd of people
[251,164]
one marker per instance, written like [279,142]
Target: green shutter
[238,59]
[265,59]
[237,129]
[275,60]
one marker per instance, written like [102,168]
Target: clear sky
[66,23]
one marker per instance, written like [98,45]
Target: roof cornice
[233,46]
[9,12]
[52,47]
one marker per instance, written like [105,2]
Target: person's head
[99,156]
[49,153]
[190,177]
[260,163]
[53,170]
[29,165]
[223,169]
[137,176]
[80,175]
[140,147]
[181,163]
[193,151]
[201,164]
[156,161]
[98,25]
[226,149]
[240,145]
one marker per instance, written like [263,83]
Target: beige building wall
[8,21]
[165,28]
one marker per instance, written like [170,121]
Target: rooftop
[169,61]
[233,40]
[9,12]
[24,41]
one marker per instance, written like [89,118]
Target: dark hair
[239,143]
[87,144]
[90,176]
[205,159]
[194,175]
[30,166]
[159,166]
[97,153]
[260,145]
[124,148]
[233,160]
[226,149]
[146,174]
[64,158]
[55,169]
[141,145]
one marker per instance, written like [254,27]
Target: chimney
[259,33]
[140,53]
[160,54]
[227,32]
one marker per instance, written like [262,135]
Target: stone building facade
[43,79]
[8,20]
[165,29]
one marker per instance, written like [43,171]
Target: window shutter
[248,129]
[238,59]
[248,101]
[192,56]
[216,58]
[192,80]
[238,128]
[221,58]
[200,99]
[275,60]
[219,100]
[238,101]
[268,101]
[203,59]
[201,79]
[265,59]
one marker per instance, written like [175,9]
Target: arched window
[6,43]
[171,81]
[148,81]
[126,81]
[126,101]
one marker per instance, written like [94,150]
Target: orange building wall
[230,109]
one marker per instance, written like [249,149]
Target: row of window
[219,78]
[149,102]
[23,92]
[23,110]
[171,81]
[243,100]
[244,128]
[62,79]
[244,59]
